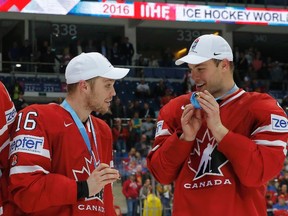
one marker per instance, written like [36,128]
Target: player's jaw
[104,106]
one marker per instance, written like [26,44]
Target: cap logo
[215,54]
[193,47]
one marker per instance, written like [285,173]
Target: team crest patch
[14,160]
[160,131]
[193,47]
[159,127]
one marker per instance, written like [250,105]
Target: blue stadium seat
[149,72]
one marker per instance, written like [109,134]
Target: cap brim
[116,73]
[191,59]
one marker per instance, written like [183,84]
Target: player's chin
[104,110]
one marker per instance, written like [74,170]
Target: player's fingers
[101,166]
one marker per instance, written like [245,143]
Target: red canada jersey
[227,178]
[7,117]
[48,155]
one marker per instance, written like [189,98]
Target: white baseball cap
[88,65]
[207,47]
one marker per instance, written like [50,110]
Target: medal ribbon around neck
[83,131]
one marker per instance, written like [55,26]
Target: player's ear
[83,85]
[225,64]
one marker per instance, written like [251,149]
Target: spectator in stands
[17,89]
[140,160]
[14,53]
[148,127]
[133,106]
[104,49]
[135,127]
[249,55]
[153,62]
[132,154]
[44,47]
[167,97]
[166,198]
[120,136]
[188,83]
[281,207]
[241,66]
[140,63]
[143,145]
[47,60]
[26,55]
[277,73]
[231,130]
[283,190]
[152,205]
[20,103]
[145,190]
[66,57]
[271,197]
[277,76]
[107,117]
[91,46]
[267,67]
[76,47]
[142,89]
[160,89]
[284,176]
[257,65]
[147,111]
[167,58]
[117,108]
[131,190]
[115,54]
[127,51]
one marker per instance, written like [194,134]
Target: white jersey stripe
[271,143]
[26,169]
[45,153]
[267,128]
[3,129]
[232,98]
[162,132]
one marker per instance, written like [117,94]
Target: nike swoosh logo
[182,107]
[215,54]
[67,125]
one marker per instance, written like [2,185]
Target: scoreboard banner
[151,11]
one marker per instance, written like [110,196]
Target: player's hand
[212,114]
[191,122]
[100,177]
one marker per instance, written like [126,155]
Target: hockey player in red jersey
[7,117]
[61,156]
[219,146]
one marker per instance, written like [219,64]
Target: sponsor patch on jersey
[279,123]
[10,115]
[27,144]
